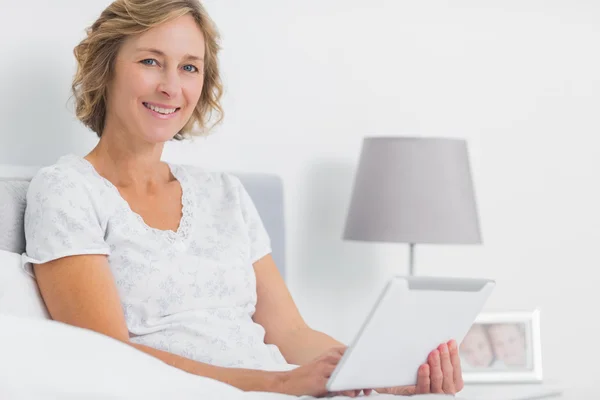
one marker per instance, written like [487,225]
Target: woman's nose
[170,84]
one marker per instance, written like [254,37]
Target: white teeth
[160,110]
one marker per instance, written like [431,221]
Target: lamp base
[411,259]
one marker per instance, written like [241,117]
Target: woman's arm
[244,379]
[279,315]
[80,291]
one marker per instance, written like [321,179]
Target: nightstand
[524,391]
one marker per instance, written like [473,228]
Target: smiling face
[476,348]
[509,344]
[157,82]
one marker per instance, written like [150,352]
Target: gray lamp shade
[413,190]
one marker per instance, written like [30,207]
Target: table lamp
[413,190]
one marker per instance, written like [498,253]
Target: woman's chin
[161,136]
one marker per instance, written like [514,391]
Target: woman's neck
[129,165]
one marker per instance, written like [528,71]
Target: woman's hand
[311,379]
[441,374]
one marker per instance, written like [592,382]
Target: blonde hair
[96,56]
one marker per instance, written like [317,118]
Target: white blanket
[42,359]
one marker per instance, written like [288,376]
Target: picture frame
[503,347]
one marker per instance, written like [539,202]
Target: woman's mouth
[162,111]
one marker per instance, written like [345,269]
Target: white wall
[306,80]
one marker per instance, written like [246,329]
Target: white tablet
[412,317]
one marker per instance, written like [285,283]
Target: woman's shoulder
[65,166]
[65,177]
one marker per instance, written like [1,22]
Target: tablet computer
[411,318]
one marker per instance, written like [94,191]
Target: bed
[41,358]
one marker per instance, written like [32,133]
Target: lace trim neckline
[187,203]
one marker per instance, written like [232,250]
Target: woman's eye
[149,61]
[190,68]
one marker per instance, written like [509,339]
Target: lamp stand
[411,259]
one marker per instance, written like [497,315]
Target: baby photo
[496,346]
[503,347]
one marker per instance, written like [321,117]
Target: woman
[172,259]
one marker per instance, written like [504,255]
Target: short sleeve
[61,218]
[260,243]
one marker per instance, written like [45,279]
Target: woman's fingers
[333,356]
[455,359]
[447,370]
[441,374]
[436,376]
[423,380]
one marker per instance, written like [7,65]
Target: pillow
[19,293]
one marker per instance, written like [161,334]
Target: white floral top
[191,292]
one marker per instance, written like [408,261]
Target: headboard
[266,191]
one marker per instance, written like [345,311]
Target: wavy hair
[96,55]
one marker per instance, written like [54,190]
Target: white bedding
[42,359]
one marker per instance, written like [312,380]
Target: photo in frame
[503,347]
